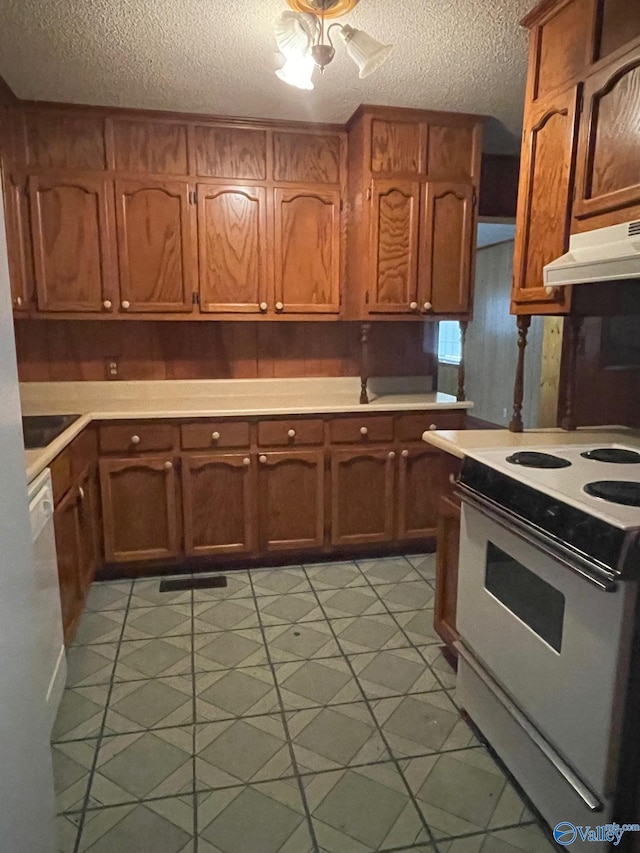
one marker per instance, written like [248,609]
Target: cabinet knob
[279,306]
[453,480]
[263,459]
[433,426]
[246,461]
[405,453]
[125,304]
[291,433]
[215,436]
[392,454]
[18,301]
[364,430]
[427,306]
[168,466]
[107,304]
[413,305]
[135,439]
[263,306]
[81,493]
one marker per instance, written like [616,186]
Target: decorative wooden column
[365,361]
[515,424]
[464,325]
[574,327]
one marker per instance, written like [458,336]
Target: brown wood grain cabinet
[291,503]
[90,527]
[445,604]
[419,486]
[362,496]
[18,240]
[219,503]
[69,552]
[140,508]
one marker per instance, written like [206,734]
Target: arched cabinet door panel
[232,249]
[73,243]
[156,246]
[362,496]
[307,251]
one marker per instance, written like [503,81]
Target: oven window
[526,595]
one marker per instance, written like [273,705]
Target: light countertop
[460,442]
[217,398]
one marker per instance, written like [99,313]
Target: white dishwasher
[51,661]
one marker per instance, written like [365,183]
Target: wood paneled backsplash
[71,350]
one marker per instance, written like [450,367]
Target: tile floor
[303,710]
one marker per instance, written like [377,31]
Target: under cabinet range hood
[606,254]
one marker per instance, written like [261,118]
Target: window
[449,342]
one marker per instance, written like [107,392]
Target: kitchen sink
[40,430]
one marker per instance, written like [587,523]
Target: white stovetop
[567,484]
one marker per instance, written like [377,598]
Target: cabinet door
[291,500]
[18,245]
[307,251]
[608,170]
[219,503]
[66,522]
[156,246]
[139,509]
[362,490]
[544,200]
[395,217]
[419,489]
[445,605]
[89,518]
[232,247]
[447,240]
[72,228]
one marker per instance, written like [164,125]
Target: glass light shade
[367,53]
[295,33]
[297,71]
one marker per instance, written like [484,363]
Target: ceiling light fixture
[306,43]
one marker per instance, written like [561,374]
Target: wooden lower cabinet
[444,619]
[219,507]
[420,476]
[69,552]
[291,500]
[140,509]
[362,489]
[89,518]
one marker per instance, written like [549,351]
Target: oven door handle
[586,795]
[598,577]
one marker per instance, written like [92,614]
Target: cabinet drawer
[61,476]
[84,451]
[354,430]
[290,432]
[410,427]
[130,438]
[212,434]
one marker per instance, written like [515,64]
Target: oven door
[556,642]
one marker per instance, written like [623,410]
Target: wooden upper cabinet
[398,147]
[18,239]
[618,24]
[156,246]
[455,152]
[291,500]
[139,509]
[232,248]
[307,158]
[63,139]
[307,251]
[608,164]
[395,223]
[544,200]
[72,231]
[230,153]
[150,147]
[219,503]
[447,243]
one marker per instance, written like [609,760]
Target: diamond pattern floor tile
[418,626]
[108,596]
[421,723]
[104,626]
[335,576]
[67,826]
[228,649]
[368,633]
[87,665]
[143,623]
[81,713]
[424,564]
[241,692]
[363,809]
[309,683]
[225,615]
[464,792]
[335,737]
[291,607]
[238,586]
[141,659]
[519,839]
[301,641]
[155,703]
[280,581]
[146,593]
[72,763]
[261,818]
[393,673]
[388,570]
[241,751]
[359,601]
[163,826]
[143,765]
[414,595]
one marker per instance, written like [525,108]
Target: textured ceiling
[218,57]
